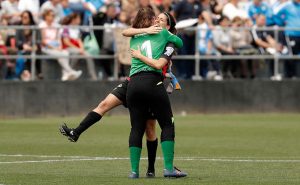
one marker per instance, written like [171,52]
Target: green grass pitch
[221,149]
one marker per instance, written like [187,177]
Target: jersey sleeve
[168,52]
[173,38]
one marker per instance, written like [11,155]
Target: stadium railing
[196,57]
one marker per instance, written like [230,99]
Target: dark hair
[68,19]
[31,20]
[222,18]
[110,5]
[171,22]
[144,18]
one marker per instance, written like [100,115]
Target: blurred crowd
[224,27]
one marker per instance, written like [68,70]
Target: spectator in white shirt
[233,9]
[33,7]
[10,11]
[51,45]
[56,7]
[223,42]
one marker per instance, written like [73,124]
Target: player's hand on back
[135,53]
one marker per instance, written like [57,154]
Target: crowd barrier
[196,57]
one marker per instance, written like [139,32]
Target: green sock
[168,152]
[135,155]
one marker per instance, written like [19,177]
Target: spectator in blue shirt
[205,46]
[66,7]
[288,15]
[93,8]
[258,7]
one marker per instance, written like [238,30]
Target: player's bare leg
[110,102]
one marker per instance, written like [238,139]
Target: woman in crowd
[72,42]
[223,44]
[241,43]
[24,43]
[51,45]
[7,47]
[209,69]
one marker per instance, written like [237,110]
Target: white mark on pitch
[85,158]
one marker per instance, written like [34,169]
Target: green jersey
[151,46]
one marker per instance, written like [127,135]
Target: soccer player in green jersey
[118,95]
[146,91]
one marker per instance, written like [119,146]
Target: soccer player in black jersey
[118,95]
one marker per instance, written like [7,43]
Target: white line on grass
[179,159]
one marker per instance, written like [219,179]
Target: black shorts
[120,92]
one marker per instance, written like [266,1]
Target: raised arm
[130,32]
[173,38]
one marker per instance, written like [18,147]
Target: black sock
[151,147]
[88,121]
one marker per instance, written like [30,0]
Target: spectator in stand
[93,7]
[223,43]
[56,7]
[105,37]
[241,43]
[187,9]
[42,1]
[288,15]
[26,47]
[276,5]
[33,7]
[72,42]
[7,66]
[130,7]
[123,20]
[214,8]
[258,7]
[264,39]
[78,6]
[66,7]
[233,9]
[51,45]
[209,69]
[10,11]
[166,6]
[150,4]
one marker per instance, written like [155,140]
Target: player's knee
[150,130]
[150,134]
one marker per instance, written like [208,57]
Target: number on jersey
[146,47]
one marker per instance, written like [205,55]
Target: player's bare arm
[157,64]
[130,32]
